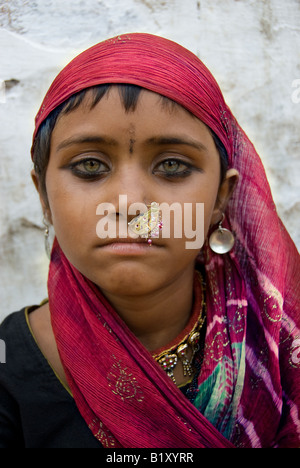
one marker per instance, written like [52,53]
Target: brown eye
[91,165]
[171,166]
[89,168]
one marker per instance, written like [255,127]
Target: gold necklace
[185,350]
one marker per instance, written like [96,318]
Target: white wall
[252,48]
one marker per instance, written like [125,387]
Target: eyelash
[86,175]
[177,174]
[98,174]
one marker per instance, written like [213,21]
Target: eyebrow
[158,141]
[86,139]
[176,141]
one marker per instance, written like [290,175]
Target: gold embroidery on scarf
[123,383]
[215,292]
[220,340]
[214,351]
[272,300]
[106,440]
[229,283]
[286,329]
[237,324]
[276,317]
[218,344]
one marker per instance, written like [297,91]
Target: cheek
[186,229]
[73,216]
[198,208]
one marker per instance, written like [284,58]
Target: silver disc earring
[221,240]
[46,238]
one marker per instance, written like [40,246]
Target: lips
[126,240]
[129,246]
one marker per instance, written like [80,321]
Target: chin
[126,281]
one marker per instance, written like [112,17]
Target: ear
[225,192]
[42,196]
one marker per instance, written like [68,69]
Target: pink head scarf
[148,61]
[248,387]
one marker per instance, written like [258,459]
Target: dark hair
[129,95]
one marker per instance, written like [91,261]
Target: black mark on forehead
[132,140]
[131,143]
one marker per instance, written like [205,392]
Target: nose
[131,190]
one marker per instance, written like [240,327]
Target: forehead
[151,113]
[130,96]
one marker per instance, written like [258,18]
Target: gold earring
[221,240]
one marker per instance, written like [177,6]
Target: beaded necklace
[184,349]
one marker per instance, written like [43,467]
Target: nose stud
[147,224]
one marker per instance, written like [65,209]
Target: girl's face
[156,153]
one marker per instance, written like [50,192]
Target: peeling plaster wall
[252,48]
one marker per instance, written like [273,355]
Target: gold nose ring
[147,224]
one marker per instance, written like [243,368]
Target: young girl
[148,339]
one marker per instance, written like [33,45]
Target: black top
[36,410]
